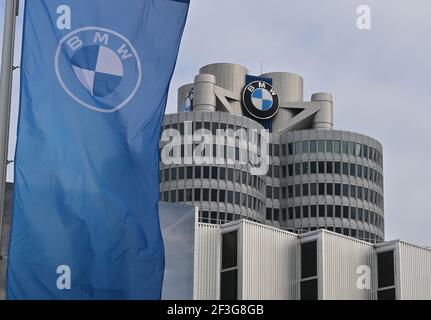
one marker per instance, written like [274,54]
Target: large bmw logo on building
[261,100]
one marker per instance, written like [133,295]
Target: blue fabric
[87,166]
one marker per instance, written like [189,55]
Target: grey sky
[379,78]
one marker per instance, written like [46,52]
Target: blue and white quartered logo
[98,68]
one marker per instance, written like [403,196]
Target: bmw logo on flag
[98,68]
[261,100]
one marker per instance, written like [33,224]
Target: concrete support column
[324,119]
[204,93]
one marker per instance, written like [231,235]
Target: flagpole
[11,12]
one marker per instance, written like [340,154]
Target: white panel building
[249,261]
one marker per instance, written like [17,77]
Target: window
[173,173]
[268,213]
[290,148]
[352,169]
[358,150]
[346,212]
[321,167]
[298,147]
[198,172]
[276,214]
[386,275]
[309,283]
[321,189]
[337,211]
[297,190]
[305,211]
[189,195]
[337,167]
[214,195]
[345,190]
[329,189]
[337,146]
[222,195]
[305,190]
[269,192]
[276,172]
[321,211]
[237,175]
[237,198]
[305,167]
[313,211]
[353,213]
[276,150]
[308,260]
[353,191]
[352,148]
[230,197]
[205,195]
[276,193]
[338,189]
[385,269]
[313,167]
[173,196]
[206,172]
[284,171]
[345,168]
[345,147]
[298,212]
[222,173]
[321,146]
[388,294]
[214,173]
[365,151]
[197,194]
[229,272]
[230,174]
[181,173]
[284,214]
[305,147]
[329,167]
[297,169]
[313,146]
[329,146]
[313,189]
[309,290]
[189,172]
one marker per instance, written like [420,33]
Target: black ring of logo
[248,102]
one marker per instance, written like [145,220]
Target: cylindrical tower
[184,92]
[230,77]
[333,180]
[224,192]
[204,93]
[324,119]
[290,88]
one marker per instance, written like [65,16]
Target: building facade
[249,261]
[316,177]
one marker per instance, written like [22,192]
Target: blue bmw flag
[94,83]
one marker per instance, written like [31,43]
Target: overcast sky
[379,78]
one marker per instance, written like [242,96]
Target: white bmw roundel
[98,68]
[261,100]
